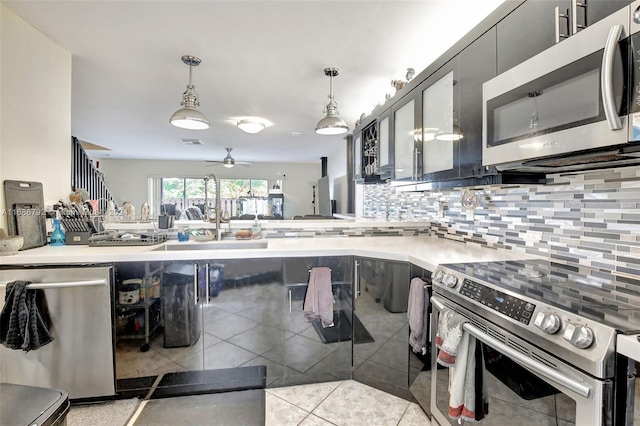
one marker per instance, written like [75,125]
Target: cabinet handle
[290,301]
[195,283]
[575,27]
[606,78]
[208,283]
[416,154]
[356,278]
[559,16]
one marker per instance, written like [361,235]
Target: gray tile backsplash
[590,218]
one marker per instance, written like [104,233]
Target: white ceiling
[259,58]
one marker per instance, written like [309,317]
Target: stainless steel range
[548,333]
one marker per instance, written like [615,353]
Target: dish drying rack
[114,239]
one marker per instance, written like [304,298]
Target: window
[237,196]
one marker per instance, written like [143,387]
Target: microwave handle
[606,78]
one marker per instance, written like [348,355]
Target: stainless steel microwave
[574,106]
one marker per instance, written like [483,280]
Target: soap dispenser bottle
[57,236]
[256,229]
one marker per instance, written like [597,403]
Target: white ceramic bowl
[202,235]
[11,245]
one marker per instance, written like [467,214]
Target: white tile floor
[347,403]
[343,403]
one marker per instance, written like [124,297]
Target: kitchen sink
[214,245]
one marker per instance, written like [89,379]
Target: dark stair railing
[85,175]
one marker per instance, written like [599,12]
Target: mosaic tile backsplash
[590,218]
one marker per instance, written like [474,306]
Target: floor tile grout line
[324,399]
[310,384]
[136,414]
[404,413]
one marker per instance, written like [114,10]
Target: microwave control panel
[518,309]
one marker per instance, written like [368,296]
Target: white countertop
[424,251]
[629,346]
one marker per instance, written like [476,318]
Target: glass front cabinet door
[385,161]
[404,146]
[357,156]
[441,133]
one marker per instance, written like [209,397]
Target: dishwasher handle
[64,284]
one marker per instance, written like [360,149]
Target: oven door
[525,385]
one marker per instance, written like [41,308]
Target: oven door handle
[536,367]
[606,78]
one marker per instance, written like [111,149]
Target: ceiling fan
[228,161]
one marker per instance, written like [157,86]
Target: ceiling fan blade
[220,163]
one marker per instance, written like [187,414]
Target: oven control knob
[437,276]
[450,280]
[548,322]
[579,336]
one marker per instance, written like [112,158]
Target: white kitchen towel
[415,313]
[318,302]
[460,352]
[448,336]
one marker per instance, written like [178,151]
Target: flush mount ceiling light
[332,124]
[251,126]
[189,117]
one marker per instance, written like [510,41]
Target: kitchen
[520,218]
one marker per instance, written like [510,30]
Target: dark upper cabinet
[529,30]
[598,9]
[451,112]
[385,153]
[535,26]
[366,154]
[477,65]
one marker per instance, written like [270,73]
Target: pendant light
[189,117]
[332,124]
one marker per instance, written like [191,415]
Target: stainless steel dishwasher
[80,358]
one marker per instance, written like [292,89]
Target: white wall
[337,171]
[128,179]
[35,109]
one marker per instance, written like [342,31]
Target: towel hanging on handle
[318,301]
[24,320]
[418,304]
[461,352]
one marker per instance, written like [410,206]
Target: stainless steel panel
[80,359]
[588,409]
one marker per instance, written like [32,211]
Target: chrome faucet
[217,207]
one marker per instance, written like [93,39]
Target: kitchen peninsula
[258,322]
[424,251]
